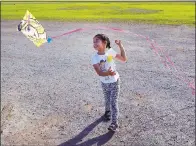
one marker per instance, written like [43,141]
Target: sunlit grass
[175,13]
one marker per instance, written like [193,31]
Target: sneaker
[107,116]
[113,127]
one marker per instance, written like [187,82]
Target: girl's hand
[118,42]
[110,72]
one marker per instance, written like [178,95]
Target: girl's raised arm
[122,56]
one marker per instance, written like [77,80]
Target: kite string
[70,32]
[164,57]
[76,30]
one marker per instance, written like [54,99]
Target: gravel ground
[52,96]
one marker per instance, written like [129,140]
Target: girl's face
[98,44]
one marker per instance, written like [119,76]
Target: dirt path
[52,96]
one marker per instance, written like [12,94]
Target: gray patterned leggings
[111,93]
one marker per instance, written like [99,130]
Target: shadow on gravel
[100,140]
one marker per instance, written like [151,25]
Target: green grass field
[174,13]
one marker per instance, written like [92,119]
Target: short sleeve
[112,52]
[94,60]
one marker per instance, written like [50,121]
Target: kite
[35,32]
[32,29]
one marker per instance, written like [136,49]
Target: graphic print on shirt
[102,65]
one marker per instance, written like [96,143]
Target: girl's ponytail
[108,43]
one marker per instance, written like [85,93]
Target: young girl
[104,65]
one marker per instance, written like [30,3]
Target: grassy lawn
[174,13]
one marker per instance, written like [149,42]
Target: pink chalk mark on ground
[165,57]
[156,48]
[153,44]
[192,86]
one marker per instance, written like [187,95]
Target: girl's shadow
[100,140]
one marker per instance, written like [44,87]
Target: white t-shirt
[105,62]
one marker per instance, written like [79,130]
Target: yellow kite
[32,29]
